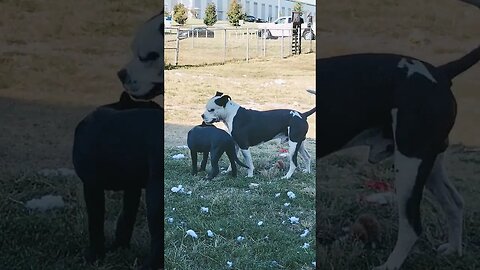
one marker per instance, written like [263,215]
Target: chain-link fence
[208,45]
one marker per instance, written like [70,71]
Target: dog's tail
[309,112]
[240,163]
[454,68]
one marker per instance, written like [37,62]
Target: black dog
[120,147]
[400,106]
[210,139]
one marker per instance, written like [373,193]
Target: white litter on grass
[291,195]
[286,204]
[210,233]
[56,172]
[260,223]
[253,185]
[381,198]
[178,189]
[305,232]
[45,203]
[314,264]
[280,81]
[229,263]
[182,146]
[306,245]
[192,234]
[283,154]
[277,195]
[170,220]
[178,156]
[204,209]
[189,192]
[173,209]
[293,220]
[240,238]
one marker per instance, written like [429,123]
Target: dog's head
[215,110]
[142,77]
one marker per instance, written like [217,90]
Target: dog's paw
[448,249]
[225,171]
[285,177]
[307,170]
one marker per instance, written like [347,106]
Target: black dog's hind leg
[126,220]
[95,202]
[215,157]
[194,162]
[203,166]
[154,202]
[231,157]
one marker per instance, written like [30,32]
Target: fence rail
[207,45]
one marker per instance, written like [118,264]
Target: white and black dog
[143,76]
[400,106]
[251,127]
[119,146]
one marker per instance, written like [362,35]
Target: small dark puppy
[119,146]
[210,139]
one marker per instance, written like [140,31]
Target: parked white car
[283,27]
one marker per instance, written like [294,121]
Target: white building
[268,10]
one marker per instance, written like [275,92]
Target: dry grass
[257,85]
[437,31]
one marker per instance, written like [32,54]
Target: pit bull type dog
[206,138]
[251,127]
[401,106]
[119,146]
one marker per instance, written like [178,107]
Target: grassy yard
[235,206]
[235,209]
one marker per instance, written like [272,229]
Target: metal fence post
[193,38]
[248,45]
[282,51]
[177,46]
[264,44]
[225,46]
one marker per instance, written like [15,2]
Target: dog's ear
[223,100]
[218,94]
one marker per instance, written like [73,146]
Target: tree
[210,15]
[235,13]
[298,7]
[180,13]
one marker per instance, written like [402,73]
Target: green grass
[340,184]
[235,210]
